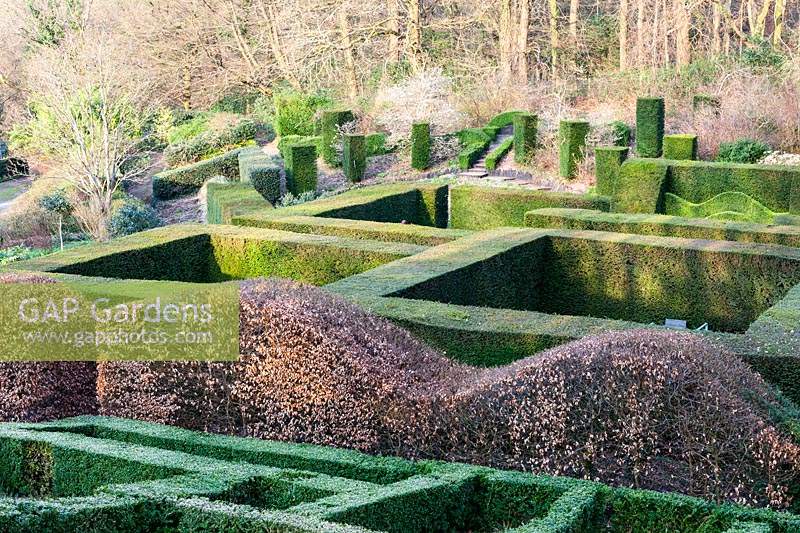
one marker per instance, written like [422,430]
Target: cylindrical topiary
[571,146]
[354,157]
[649,126]
[607,162]
[680,146]
[525,125]
[331,121]
[420,145]
[301,168]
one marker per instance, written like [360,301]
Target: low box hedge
[478,208]
[140,476]
[498,153]
[186,180]
[226,200]
[663,225]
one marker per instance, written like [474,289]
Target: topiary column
[607,162]
[330,122]
[649,126]
[420,145]
[525,125]
[571,146]
[680,146]
[301,168]
[354,157]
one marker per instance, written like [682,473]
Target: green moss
[525,131]
[420,145]
[354,157]
[607,163]
[330,122]
[649,126]
[490,207]
[682,146]
[571,146]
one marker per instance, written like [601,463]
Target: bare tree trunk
[414,35]
[267,12]
[761,20]
[716,20]
[623,34]
[640,37]
[682,44]
[186,95]
[777,17]
[506,38]
[553,19]
[574,6]
[522,42]
[393,28]
[349,56]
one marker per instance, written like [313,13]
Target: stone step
[473,174]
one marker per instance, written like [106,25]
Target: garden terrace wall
[776,187]
[196,253]
[134,475]
[663,225]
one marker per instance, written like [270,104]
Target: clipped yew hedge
[188,179]
[477,208]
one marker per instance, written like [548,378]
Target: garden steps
[478,169]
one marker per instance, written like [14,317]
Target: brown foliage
[38,391]
[648,409]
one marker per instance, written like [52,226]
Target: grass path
[11,189]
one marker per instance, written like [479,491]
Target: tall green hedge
[188,179]
[301,168]
[649,126]
[420,145]
[571,146]
[607,163]
[680,146]
[506,118]
[525,126]
[354,157]
[331,120]
[640,187]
